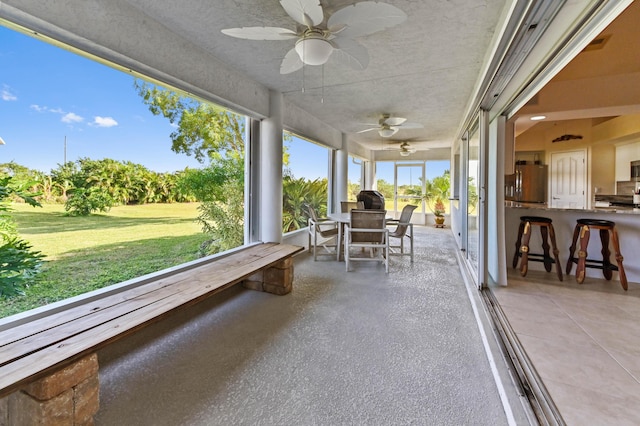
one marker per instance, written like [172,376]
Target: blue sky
[48,94]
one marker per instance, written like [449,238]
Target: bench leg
[67,396]
[277,279]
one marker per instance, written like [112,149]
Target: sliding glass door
[409,188]
[473,178]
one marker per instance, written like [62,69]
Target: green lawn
[87,253]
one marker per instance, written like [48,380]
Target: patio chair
[403,224]
[367,230]
[321,232]
[347,206]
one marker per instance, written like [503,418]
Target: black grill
[372,200]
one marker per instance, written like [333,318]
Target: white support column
[342,173]
[370,173]
[271,172]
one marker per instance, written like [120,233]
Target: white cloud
[104,122]
[44,108]
[7,95]
[72,118]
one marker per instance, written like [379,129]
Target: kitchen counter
[543,206]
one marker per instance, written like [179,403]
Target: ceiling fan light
[405,153]
[387,132]
[314,51]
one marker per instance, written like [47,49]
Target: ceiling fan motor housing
[313,48]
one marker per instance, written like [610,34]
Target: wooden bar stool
[583,231]
[522,245]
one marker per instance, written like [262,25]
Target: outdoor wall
[303,124]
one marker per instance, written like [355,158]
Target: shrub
[18,266]
[85,201]
[18,263]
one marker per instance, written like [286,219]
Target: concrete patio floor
[358,348]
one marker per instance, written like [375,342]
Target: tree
[222,215]
[220,188]
[385,188]
[298,195]
[211,134]
[18,262]
[206,131]
[437,191]
[353,190]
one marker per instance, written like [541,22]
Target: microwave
[635,171]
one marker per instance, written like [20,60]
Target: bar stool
[522,245]
[583,231]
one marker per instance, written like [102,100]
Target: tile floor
[583,341]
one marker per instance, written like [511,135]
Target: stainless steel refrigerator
[528,184]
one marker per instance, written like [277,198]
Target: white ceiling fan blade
[394,121]
[351,53]
[304,12]
[261,33]
[291,62]
[366,18]
[367,130]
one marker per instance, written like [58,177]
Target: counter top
[545,207]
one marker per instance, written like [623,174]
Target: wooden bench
[42,357]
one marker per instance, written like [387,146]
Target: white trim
[587,26]
[485,342]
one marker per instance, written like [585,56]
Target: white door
[568,180]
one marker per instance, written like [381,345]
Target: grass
[87,253]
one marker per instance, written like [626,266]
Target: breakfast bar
[627,224]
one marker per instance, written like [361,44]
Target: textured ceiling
[424,69]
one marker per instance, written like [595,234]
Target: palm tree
[437,191]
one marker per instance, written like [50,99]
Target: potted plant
[438,211]
[437,191]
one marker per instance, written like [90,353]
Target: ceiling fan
[405,149]
[388,126]
[316,42]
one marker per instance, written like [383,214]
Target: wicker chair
[367,230]
[403,225]
[325,229]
